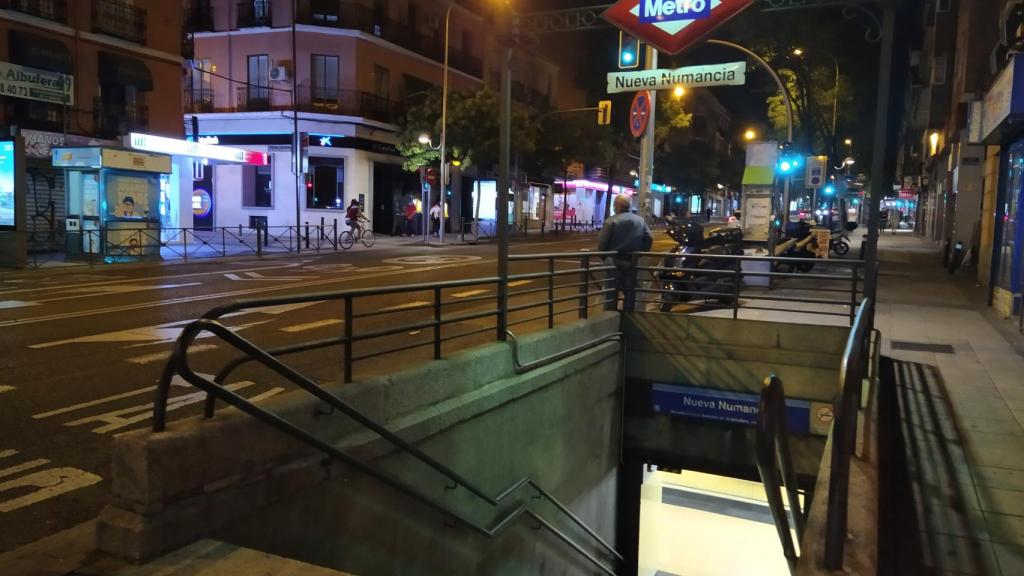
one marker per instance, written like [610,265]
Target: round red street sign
[640,113]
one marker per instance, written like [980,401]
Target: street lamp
[679,92]
[425,140]
[749,135]
[848,142]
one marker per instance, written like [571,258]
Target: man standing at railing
[623,233]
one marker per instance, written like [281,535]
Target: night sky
[589,55]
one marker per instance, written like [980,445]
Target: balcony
[352,16]
[255,99]
[112,119]
[198,100]
[254,14]
[120,20]
[55,10]
[199,19]
[348,103]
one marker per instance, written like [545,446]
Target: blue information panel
[724,406]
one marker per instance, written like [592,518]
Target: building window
[324,78]
[327,189]
[939,65]
[258,89]
[942,6]
[325,11]
[257,189]
[382,82]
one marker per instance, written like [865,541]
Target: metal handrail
[844,432]
[179,359]
[774,460]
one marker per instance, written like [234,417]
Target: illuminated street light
[848,142]
[424,139]
[679,91]
[798,52]
[749,135]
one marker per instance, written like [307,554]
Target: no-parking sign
[640,113]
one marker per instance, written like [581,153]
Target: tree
[473,129]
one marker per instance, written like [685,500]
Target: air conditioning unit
[279,73]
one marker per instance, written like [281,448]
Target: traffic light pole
[647,144]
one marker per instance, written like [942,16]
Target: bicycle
[348,240]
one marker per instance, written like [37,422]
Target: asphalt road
[82,349]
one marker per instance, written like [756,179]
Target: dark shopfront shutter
[39,52]
[115,69]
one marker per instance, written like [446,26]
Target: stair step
[214,558]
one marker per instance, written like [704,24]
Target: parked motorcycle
[694,275]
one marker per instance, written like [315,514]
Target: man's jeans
[621,279]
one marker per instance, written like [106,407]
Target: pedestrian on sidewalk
[398,220]
[709,212]
[624,233]
[435,219]
[410,218]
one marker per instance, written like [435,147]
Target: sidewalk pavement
[962,404]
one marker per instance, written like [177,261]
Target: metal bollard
[334,235]
[259,240]
[307,235]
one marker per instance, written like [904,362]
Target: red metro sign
[672,25]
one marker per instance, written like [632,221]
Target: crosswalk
[33,480]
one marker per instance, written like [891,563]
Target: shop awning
[759,176]
[40,52]
[124,70]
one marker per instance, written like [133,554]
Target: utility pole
[879,176]
[504,151]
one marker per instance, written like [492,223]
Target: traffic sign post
[647,144]
[670,26]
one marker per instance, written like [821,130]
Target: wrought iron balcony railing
[56,10]
[254,14]
[121,20]
[198,100]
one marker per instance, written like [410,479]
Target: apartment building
[119,62]
[340,74]
[964,140]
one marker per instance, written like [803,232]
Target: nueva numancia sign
[728,74]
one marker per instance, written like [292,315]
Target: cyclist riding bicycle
[353,217]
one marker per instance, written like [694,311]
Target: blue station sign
[724,406]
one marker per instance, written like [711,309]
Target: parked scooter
[796,244]
[694,275]
[840,241]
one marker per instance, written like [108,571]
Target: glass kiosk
[113,202]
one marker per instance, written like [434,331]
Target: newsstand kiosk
[113,202]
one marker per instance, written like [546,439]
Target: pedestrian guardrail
[541,289]
[774,462]
[859,362]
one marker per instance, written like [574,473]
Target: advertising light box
[7,185]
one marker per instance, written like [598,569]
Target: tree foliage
[473,129]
